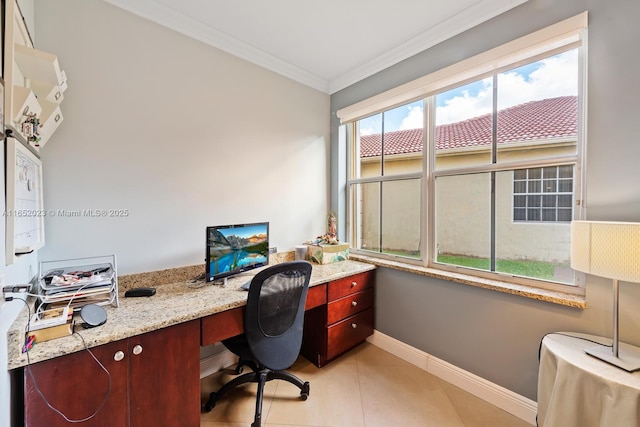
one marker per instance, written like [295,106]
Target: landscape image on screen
[234,249]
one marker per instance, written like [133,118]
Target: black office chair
[272,337]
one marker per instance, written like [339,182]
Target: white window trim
[556,38]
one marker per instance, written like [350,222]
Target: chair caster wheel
[304,393]
[211,403]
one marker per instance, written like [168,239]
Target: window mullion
[494,160]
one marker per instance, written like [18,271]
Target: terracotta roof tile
[535,120]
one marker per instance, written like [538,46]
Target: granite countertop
[179,298]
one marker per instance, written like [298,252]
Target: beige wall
[179,133]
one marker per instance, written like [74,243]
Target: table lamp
[611,250]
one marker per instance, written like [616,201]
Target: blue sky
[547,78]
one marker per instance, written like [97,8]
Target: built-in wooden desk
[150,347]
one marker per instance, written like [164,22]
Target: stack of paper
[75,287]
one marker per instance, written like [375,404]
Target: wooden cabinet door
[164,377]
[76,385]
[349,332]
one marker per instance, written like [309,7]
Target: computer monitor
[232,249]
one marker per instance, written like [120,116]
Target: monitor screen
[232,249]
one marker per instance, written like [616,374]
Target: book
[53,332]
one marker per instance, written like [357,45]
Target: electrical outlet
[14,289]
[273,250]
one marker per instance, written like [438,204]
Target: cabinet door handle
[354,303]
[118,356]
[354,325]
[137,349]
[354,284]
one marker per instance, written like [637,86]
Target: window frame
[560,37]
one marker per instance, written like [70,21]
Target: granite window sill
[555,297]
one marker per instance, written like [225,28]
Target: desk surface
[172,304]
[575,389]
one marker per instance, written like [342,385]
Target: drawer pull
[354,325]
[354,284]
[354,303]
[137,349]
[58,95]
[57,118]
[118,356]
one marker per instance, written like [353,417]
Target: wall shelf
[38,65]
[33,81]
[34,86]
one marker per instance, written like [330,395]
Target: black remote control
[140,292]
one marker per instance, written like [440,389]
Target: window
[543,194]
[387,180]
[481,176]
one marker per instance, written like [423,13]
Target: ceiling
[328,44]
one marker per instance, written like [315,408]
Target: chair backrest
[274,313]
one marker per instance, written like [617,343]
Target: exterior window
[499,188]
[543,194]
[480,171]
[386,184]
[515,118]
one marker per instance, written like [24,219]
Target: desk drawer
[316,296]
[349,285]
[348,333]
[221,325]
[349,305]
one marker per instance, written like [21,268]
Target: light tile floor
[367,387]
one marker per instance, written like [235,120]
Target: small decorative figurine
[331,238]
[331,227]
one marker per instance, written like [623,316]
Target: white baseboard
[520,406]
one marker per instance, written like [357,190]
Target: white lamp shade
[606,249]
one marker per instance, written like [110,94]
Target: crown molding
[479,12]
[195,29]
[472,16]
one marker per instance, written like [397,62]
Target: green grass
[537,269]
[534,269]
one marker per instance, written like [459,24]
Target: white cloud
[414,120]
[555,76]
[466,106]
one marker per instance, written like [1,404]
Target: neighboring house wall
[465,231]
[462,208]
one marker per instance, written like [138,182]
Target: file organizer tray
[77,282]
